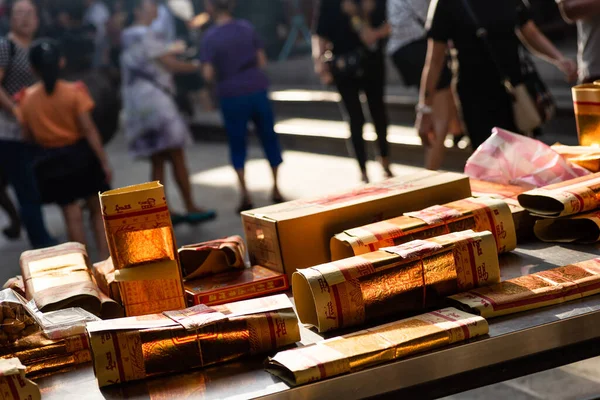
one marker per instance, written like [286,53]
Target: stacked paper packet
[134,348]
[394,280]
[13,384]
[478,214]
[529,292]
[364,349]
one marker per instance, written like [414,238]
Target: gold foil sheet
[142,247]
[13,384]
[394,280]
[135,348]
[209,258]
[370,347]
[582,228]
[563,199]
[59,277]
[478,214]
[533,291]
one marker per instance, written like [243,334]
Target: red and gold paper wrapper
[135,348]
[59,277]
[587,157]
[209,258]
[478,214]
[563,199]
[533,291]
[142,247]
[394,280]
[13,384]
[582,228]
[42,355]
[370,347]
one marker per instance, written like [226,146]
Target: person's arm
[6,102]
[208,72]
[90,132]
[176,66]
[261,58]
[540,45]
[320,45]
[574,10]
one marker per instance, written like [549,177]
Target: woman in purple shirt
[233,57]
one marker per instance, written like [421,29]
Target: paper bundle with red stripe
[478,214]
[134,348]
[13,384]
[394,280]
[370,347]
[563,199]
[533,291]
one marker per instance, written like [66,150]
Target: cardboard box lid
[403,184]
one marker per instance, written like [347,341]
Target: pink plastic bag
[511,159]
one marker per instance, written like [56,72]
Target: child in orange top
[72,165]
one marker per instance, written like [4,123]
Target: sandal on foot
[245,206]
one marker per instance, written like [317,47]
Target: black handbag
[543,98]
[346,66]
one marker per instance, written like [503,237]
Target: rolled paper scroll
[529,292]
[135,348]
[142,247]
[370,347]
[481,214]
[13,384]
[582,228]
[209,258]
[59,277]
[563,199]
[394,280]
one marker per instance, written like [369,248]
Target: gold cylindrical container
[586,99]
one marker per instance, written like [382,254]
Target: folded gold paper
[41,355]
[394,280]
[142,247]
[135,348]
[587,157]
[209,258]
[13,384]
[104,275]
[533,291]
[478,214]
[370,347]
[582,228]
[563,199]
[59,277]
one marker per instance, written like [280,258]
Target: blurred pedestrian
[587,15]
[97,14]
[16,156]
[154,128]
[234,58]
[486,101]
[407,47]
[72,165]
[114,30]
[348,51]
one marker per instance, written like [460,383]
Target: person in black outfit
[485,101]
[349,53]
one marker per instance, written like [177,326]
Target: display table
[515,343]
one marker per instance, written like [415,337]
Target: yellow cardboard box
[294,235]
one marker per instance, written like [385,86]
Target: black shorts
[410,61]
[68,174]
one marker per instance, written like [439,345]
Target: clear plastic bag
[16,319]
[511,159]
[64,323]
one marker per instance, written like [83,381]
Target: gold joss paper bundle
[478,214]
[394,280]
[582,228]
[142,247]
[13,384]
[59,277]
[529,292]
[363,349]
[563,199]
[133,348]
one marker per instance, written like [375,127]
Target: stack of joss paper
[59,277]
[533,291]
[370,347]
[570,210]
[394,280]
[42,355]
[134,348]
[477,214]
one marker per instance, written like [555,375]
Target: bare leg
[241,174]
[276,195]
[182,177]
[73,215]
[443,103]
[158,167]
[93,205]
